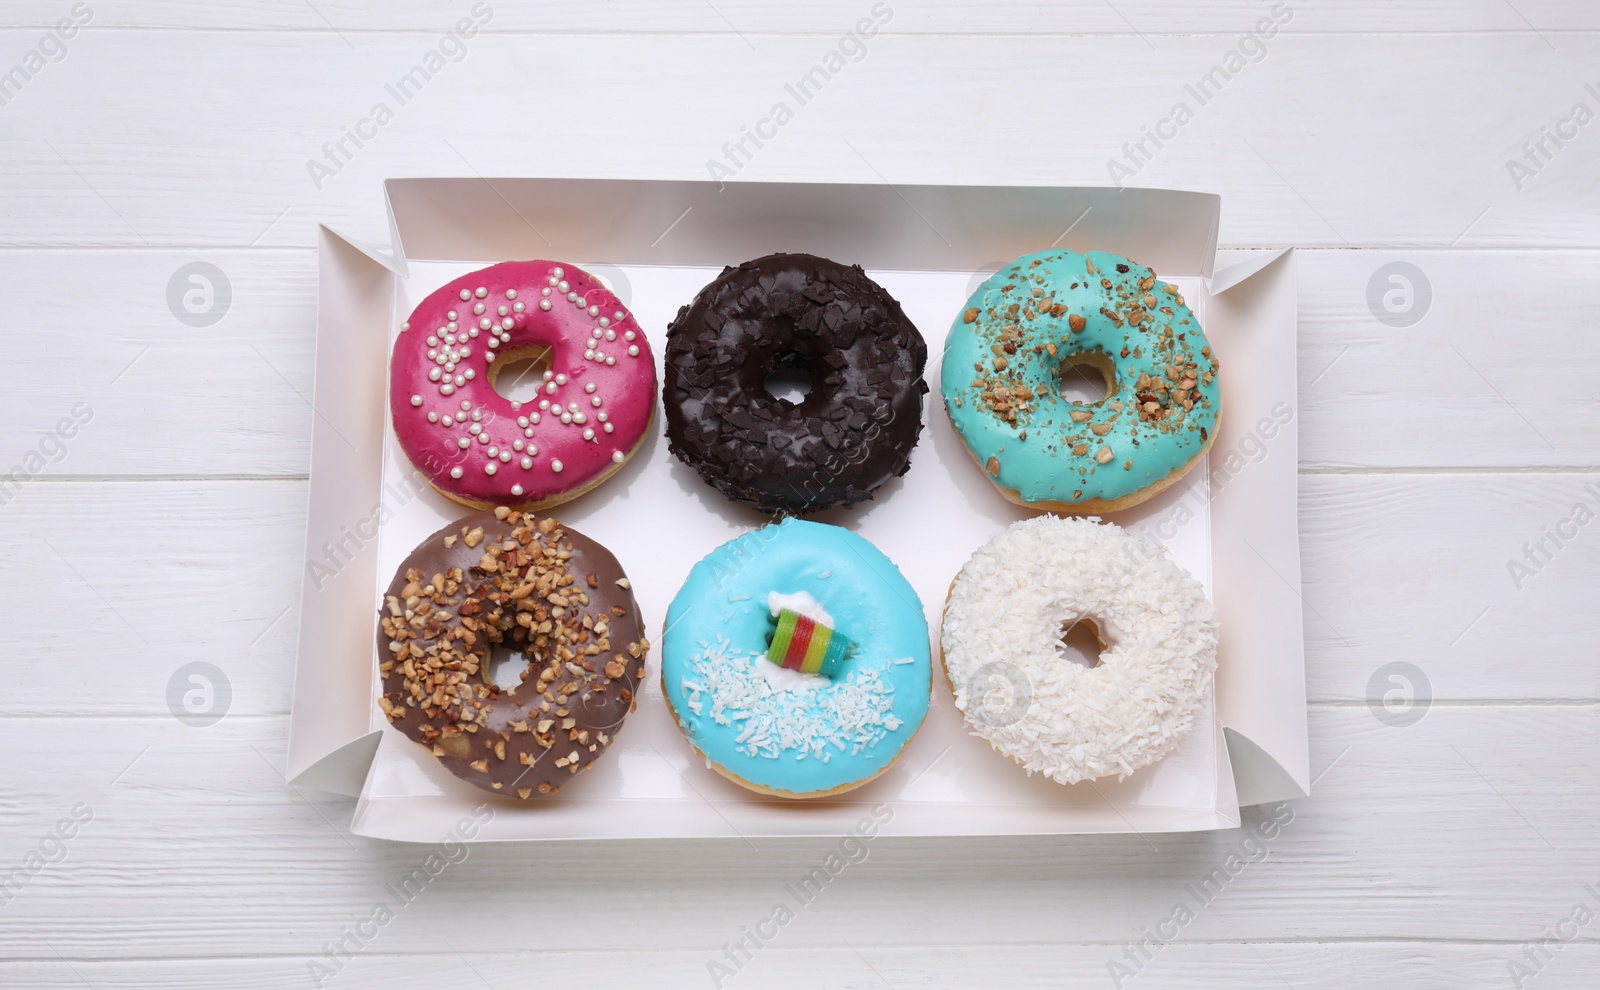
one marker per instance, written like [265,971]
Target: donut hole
[516,374]
[1086,378]
[507,667]
[790,380]
[1082,643]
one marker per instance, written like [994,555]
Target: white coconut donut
[1004,622]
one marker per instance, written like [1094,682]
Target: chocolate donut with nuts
[497,584]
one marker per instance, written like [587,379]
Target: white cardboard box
[658,243]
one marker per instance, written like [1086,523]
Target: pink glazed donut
[481,449]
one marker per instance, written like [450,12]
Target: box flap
[333,678]
[1261,683]
[878,226]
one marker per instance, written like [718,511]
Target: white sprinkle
[455,472]
[450,315]
[611,335]
[477,309]
[471,374]
[594,310]
[517,445]
[618,457]
[609,427]
[550,388]
[544,304]
[605,321]
[516,489]
[851,714]
[460,380]
[522,421]
[447,420]
[633,350]
[466,294]
[526,462]
[563,286]
[490,468]
[579,418]
[588,434]
[561,379]
[416,400]
[505,457]
[475,429]
[507,323]
[434,374]
[595,402]
[611,360]
[503,310]
[405,326]
[466,403]
[589,387]
[446,389]
[572,297]
[433,341]
[601,416]
[556,466]
[519,307]
[481,292]
[558,271]
[463,443]
[617,315]
[629,335]
[433,417]
[511,293]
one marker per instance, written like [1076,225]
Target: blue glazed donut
[778,731]
[1046,312]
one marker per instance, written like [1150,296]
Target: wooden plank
[1473,824]
[752,17]
[168,161]
[861,963]
[233,399]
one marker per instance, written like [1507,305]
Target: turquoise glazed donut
[779,731]
[1047,312]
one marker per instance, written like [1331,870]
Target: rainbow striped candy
[804,644]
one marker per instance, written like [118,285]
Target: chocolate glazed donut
[488,585]
[851,433]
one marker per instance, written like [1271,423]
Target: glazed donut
[1006,616]
[851,433]
[778,731]
[500,583]
[481,449]
[1049,311]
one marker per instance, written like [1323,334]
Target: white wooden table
[167,528]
